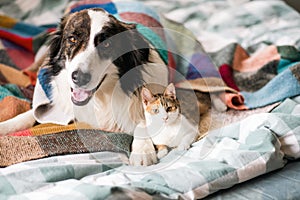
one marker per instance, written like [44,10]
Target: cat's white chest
[167,135]
[173,134]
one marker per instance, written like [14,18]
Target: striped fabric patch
[15,149]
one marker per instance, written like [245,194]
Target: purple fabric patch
[201,66]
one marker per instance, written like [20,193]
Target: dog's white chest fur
[107,109]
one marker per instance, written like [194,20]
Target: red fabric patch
[226,74]
[21,58]
[145,20]
[32,76]
[21,41]
[172,67]
[21,133]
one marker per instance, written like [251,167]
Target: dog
[97,64]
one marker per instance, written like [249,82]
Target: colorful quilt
[255,73]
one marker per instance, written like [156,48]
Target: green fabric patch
[286,107]
[10,90]
[154,184]
[55,174]
[289,53]
[213,170]
[155,40]
[5,187]
[93,191]
[261,140]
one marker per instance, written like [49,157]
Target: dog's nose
[80,78]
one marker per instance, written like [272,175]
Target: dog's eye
[106,43]
[72,39]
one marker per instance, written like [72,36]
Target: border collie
[97,64]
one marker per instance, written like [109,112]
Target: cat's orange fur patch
[160,147]
[153,105]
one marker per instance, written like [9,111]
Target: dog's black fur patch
[127,48]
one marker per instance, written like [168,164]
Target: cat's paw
[162,153]
[183,147]
[143,153]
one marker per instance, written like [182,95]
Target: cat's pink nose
[165,118]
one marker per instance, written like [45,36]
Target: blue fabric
[45,79]
[285,64]
[24,30]
[284,85]
[136,7]
[27,30]
[109,7]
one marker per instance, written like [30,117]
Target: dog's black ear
[55,46]
[56,38]
[135,51]
[140,45]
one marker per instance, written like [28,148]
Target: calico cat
[165,123]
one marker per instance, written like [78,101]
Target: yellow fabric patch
[7,22]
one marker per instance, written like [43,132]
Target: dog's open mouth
[81,97]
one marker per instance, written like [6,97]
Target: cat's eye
[170,109]
[155,110]
[72,39]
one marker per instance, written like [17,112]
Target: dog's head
[92,45]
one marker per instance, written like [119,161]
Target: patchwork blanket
[255,136]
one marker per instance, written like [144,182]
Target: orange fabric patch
[16,107]
[244,63]
[15,76]
[234,100]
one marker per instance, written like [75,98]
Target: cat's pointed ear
[147,96]
[170,91]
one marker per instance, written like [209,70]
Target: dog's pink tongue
[80,95]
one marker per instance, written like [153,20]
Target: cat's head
[163,106]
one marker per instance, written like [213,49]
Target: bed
[251,151]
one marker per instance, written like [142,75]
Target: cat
[165,124]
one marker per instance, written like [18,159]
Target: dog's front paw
[143,153]
[143,159]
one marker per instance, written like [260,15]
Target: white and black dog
[97,63]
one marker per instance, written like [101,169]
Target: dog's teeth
[80,95]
